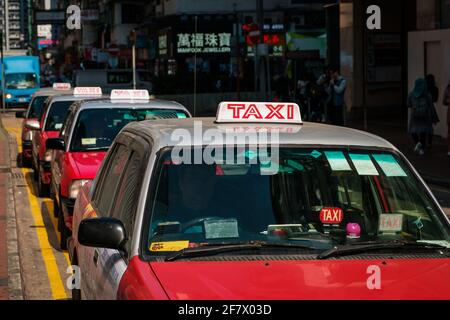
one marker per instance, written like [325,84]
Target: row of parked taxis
[252,204]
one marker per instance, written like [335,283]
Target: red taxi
[53,114]
[256,204]
[32,115]
[87,133]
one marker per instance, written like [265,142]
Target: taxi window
[57,115]
[36,106]
[96,129]
[312,194]
[125,202]
[110,179]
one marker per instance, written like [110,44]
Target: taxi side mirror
[106,233]
[32,125]
[55,144]
[20,114]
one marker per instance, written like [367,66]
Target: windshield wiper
[363,247]
[212,249]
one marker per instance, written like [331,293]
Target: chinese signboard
[204,42]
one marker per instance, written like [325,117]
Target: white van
[109,79]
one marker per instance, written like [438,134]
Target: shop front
[193,53]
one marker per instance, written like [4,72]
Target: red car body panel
[78,165]
[287,280]
[139,282]
[40,139]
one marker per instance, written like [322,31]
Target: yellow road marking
[56,283]
[54,276]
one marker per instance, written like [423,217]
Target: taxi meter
[267,112]
[61,86]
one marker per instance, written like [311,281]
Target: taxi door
[124,190]
[58,156]
[37,137]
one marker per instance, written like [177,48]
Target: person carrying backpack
[421,119]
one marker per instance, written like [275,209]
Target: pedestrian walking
[420,125]
[433,90]
[338,85]
[446,103]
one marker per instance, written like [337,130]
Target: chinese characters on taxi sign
[204,42]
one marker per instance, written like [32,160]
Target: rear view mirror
[20,114]
[106,233]
[55,144]
[32,125]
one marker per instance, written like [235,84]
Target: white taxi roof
[51,92]
[314,134]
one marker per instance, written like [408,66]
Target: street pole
[134,65]
[3,74]
[133,57]
[260,64]
[2,54]
[195,68]
[238,54]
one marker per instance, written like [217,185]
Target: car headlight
[48,155]
[76,186]
[8,96]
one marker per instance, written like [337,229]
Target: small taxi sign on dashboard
[261,112]
[118,94]
[87,91]
[61,86]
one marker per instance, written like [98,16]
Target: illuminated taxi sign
[260,112]
[87,91]
[118,94]
[62,86]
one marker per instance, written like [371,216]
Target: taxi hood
[309,279]
[86,163]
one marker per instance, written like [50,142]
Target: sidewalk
[4,177]
[433,166]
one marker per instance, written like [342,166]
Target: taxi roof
[70,97]
[108,103]
[49,91]
[161,132]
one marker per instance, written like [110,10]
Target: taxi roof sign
[259,112]
[62,86]
[87,91]
[119,94]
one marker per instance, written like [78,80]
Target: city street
[43,267]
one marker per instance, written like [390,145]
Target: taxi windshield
[36,106]
[96,129]
[56,115]
[312,196]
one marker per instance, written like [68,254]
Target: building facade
[14,24]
